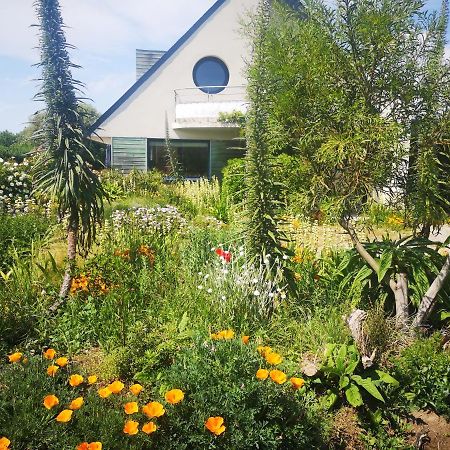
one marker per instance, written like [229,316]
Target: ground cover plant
[199,317]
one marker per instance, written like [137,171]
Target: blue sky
[106,34]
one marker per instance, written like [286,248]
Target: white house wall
[143,114]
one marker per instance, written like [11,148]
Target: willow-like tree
[64,169]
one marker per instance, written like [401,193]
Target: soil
[429,431]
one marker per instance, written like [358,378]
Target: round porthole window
[211,75]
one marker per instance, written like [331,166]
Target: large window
[211,75]
[192,155]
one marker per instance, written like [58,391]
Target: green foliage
[219,380]
[414,256]
[341,363]
[423,370]
[17,233]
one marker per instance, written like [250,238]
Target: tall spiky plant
[65,168]
[262,230]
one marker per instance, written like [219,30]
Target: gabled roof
[158,65]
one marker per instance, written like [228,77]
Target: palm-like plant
[65,167]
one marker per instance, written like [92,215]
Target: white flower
[283,295]
[223,297]
[200,287]
[206,276]
[285,257]
[256,293]
[209,291]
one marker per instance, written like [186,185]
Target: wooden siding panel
[129,153]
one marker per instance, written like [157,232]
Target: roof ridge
[168,54]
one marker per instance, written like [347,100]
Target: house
[180,94]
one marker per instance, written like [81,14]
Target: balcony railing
[195,108]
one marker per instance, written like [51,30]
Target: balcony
[197,109]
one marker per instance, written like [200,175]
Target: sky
[106,34]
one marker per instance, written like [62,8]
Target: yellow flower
[245,339]
[62,362]
[215,425]
[278,376]
[174,396]
[149,428]
[136,389]
[131,427]
[131,408]
[50,401]
[273,358]
[64,416]
[296,224]
[51,370]
[104,392]
[92,379]
[15,357]
[297,383]
[153,409]
[116,387]
[262,374]
[49,353]
[223,335]
[77,403]
[263,351]
[75,380]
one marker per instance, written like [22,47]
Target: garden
[302,301]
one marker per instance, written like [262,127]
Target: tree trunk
[72,236]
[429,299]
[401,301]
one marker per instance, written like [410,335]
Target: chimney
[145,59]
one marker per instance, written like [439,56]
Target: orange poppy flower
[83,446]
[104,392]
[278,376]
[131,427]
[215,425]
[4,443]
[149,428]
[273,358]
[136,389]
[223,335]
[77,403]
[49,353]
[62,362]
[50,401]
[116,387]
[262,374]
[131,407]
[51,370]
[174,396]
[153,409]
[92,379]
[297,383]
[64,416]
[75,380]
[95,446]
[245,339]
[15,357]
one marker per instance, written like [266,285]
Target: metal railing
[205,94]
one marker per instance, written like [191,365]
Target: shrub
[219,380]
[423,370]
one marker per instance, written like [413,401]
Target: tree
[347,89]
[65,168]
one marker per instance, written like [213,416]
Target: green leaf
[368,385]
[353,396]
[445,315]
[183,322]
[344,382]
[330,399]
[340,358]
[385,263]
[386,378]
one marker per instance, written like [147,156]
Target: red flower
[224,254]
